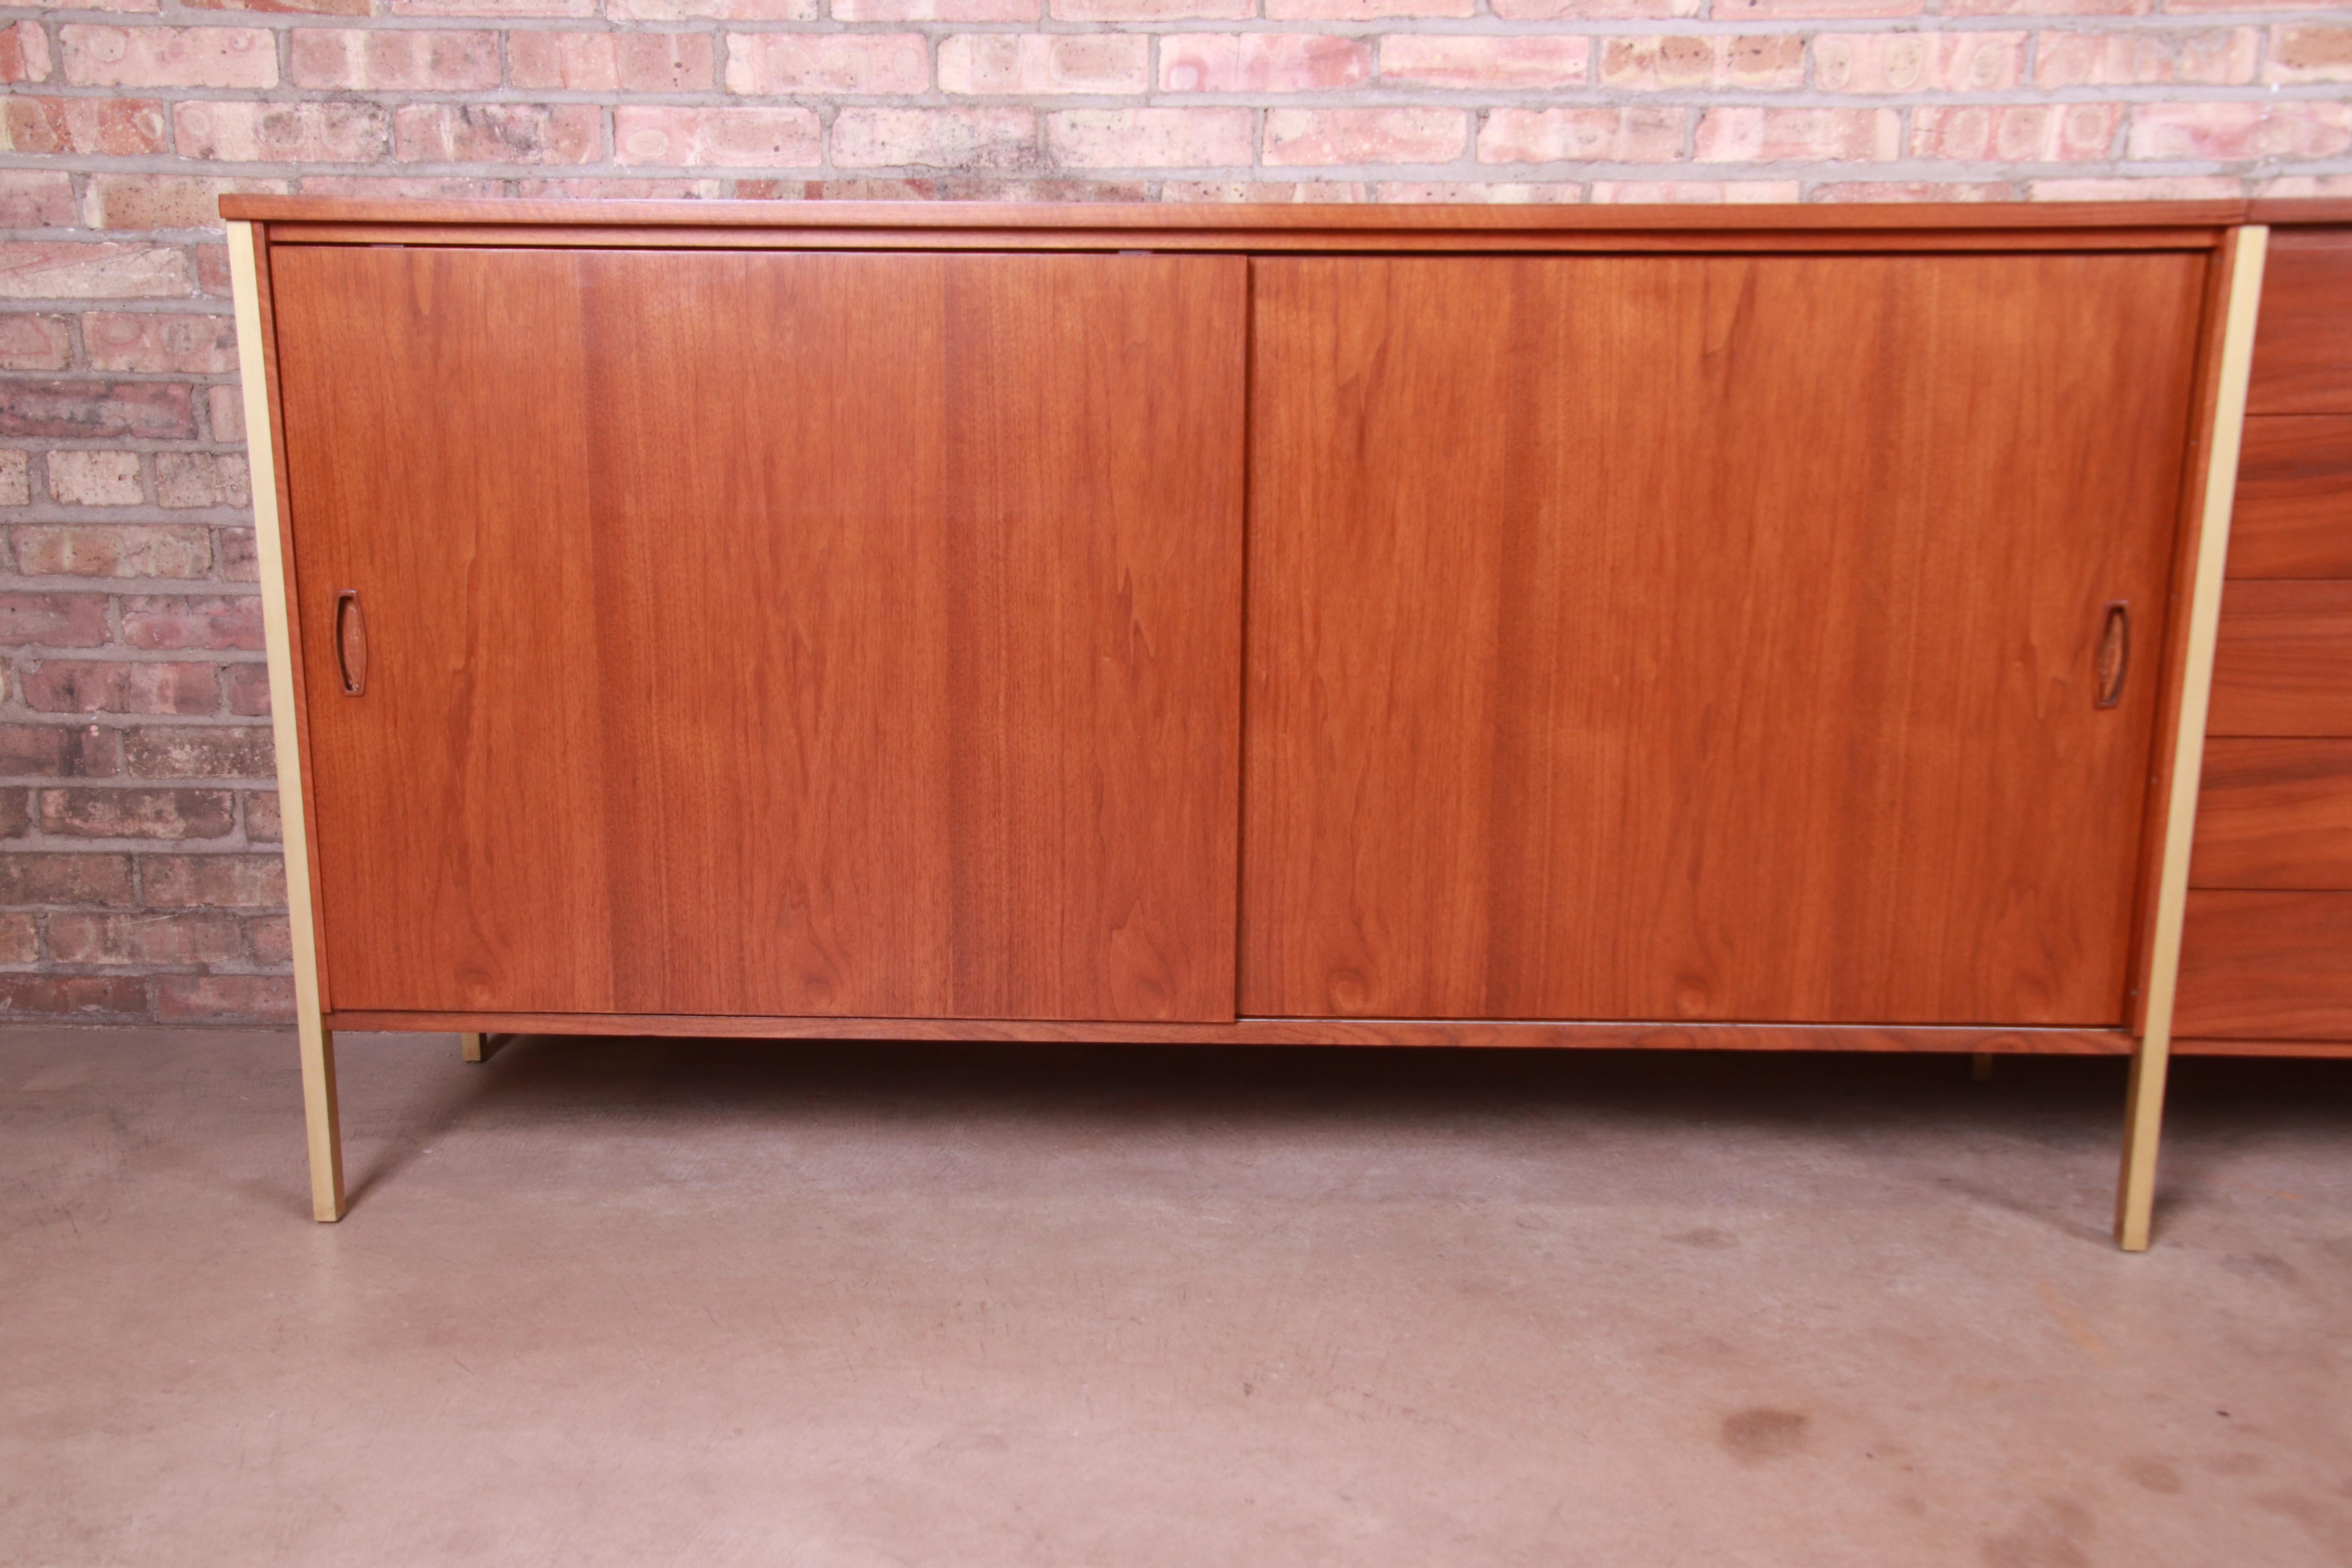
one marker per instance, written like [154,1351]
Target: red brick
[73,996]
[71,269]
[1296,136]
[151,57]
[121,686]
[261,824]
[1582,135]
[168,342]
[2296,129]
[52,620]
[34,342]
[856,64]
[1261,62]
[2220,57]
[935,10]
[20,939]
[272,940]
[295,7]
[161,201]
[95,479]
[939,138]
[283,133]
[2057,7]
[216,998]
[224,413]
[1047,63]
[23,53]
[63,879]
[232,548]
[501,8]
[145,939]
[1593,10]
[1152,10]
[1364,10]
[1786,10]
[35,198]
[1917,62]
[195,881]
[201,479]
[15,478]
[498,133]
[16,813]
[1914,190]
[1148,138]
[163,814]
[88,410]
[199,752]
[402,186]
[604,62]
[2016,132]
[1680,61]
[2310,51]
[603,188]
[715,11]
[1748,135]
[739,138]
[1496,191]
[1037,188]
[1469,61]
[109,127]
[113,550]
[162,622]
[248,689]
[59,752]
[356,59]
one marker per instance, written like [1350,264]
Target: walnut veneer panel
[1705,637]
[2302,350]
[2274,813]
[772,633]
[2266,965]
[2283,665]
[2294,508]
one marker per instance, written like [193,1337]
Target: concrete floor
[704,1303]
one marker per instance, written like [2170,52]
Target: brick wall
[139,871]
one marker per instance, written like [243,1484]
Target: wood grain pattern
[489,217]
[2274,813]
[1398,1032]
[2294,496]
[2257,965]
[1555,711]
[785,634]
[2284,662]
[2302,355]
[2300,210]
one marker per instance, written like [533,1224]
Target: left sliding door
[768,633]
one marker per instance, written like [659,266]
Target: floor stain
[1706,1236]
[2153,1474]
[2055,1534]
[1756,1435]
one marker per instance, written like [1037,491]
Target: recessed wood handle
[2115,653]
[351,641]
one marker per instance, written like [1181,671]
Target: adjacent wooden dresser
[2266,962]
[1763,627]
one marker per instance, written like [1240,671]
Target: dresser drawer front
[2293,515]
[2302,350]
[2263,965]
[2274,813]
[2284,665]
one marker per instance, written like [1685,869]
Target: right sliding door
[1707,638]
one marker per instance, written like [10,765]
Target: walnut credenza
[1779,627]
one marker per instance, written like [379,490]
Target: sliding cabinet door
[770,633]
[1707,638]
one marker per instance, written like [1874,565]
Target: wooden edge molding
[1271,218]
[319,1113]
[1284,1032]
[2144,1105]
[2288,211]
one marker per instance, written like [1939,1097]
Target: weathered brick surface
[139,871]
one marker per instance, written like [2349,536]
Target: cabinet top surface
[1283,218]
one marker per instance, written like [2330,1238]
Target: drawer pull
[2115,653]
[351,641]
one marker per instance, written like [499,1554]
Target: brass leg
[319,1116]
[470,1046]
[2143,1129]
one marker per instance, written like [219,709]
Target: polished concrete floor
[709,1303]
